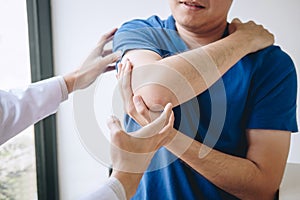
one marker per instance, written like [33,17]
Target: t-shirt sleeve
[137,34]
[274,94]
[151,34]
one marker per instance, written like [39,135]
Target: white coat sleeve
[21,108]
[111,190]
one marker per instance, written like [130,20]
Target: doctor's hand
[255,35]
[133,105]
[132,152]
[96,63]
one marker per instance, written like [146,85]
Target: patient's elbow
[156,97]
[155,103]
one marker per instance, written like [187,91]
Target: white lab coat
[22,108]
[111,190]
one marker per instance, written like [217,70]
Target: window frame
[41,62]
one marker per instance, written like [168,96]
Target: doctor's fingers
[134,106]
[169,126]
[106,52]
[108,61]
[98,50]
[141,109]
[124,82]
[164,120]
[114,125]
[105,38]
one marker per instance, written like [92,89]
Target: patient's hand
[256,35]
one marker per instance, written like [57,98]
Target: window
[41,145]
[17,156]
[41,62]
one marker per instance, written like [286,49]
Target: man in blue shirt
[233,139]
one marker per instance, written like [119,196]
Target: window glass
[17,156]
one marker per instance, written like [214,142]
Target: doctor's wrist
[130,181]
[70,80]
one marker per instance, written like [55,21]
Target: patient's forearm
[257,176]
[181,77]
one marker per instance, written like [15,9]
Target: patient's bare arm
[181,77]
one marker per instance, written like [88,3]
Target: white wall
[77,26]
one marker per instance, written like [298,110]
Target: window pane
[17,156]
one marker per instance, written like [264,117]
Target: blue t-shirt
[259,92]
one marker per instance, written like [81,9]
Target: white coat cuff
[64,89]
